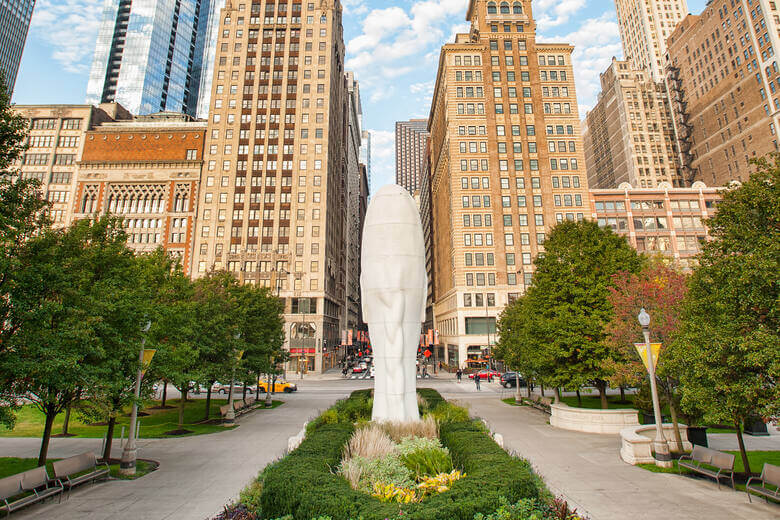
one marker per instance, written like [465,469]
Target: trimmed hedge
[304,485]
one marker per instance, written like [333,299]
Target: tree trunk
[66,421]
[182,401]
[165,393]
[243,397]
[109,438]
[557,394]
[622,394]
[602,386]
[257,388]
[541,387]
[579,398]
[673,413]
[208,402]
[742,450]
[528,387]
[50,415]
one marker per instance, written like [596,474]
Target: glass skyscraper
[14,23]
[151,54]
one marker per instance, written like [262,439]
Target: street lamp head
[146,326]
[644,318]
[237,335]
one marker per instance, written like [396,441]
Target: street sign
[641,348]
[427,353]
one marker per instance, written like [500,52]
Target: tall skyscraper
[725,88]
[411,144]
[506,151]
[274,202]
[14,23]
[150,54]
[644,27]
[630,135]
[365,154]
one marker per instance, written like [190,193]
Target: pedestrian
[459,374]
[477,381]
[425,371]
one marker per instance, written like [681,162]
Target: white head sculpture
[394,285]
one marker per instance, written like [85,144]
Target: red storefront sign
[303,351]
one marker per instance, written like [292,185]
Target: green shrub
[531,509]
[387,470]
[428,462]
[411,444]
[446,412]
[304,484]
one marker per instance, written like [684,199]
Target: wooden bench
[540,403]
[76,470]
[239,408]
[35,486]
[770,475]
[712,463]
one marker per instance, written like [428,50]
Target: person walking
[459,374]
[477,381]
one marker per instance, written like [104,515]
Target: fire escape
[683,125]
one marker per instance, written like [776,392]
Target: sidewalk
[588,471]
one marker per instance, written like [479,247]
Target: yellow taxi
[278,386]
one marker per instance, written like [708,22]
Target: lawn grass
[30,420]
[511,401]
[593,402]
[12,465]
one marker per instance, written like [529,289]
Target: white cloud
[382,158]
[551,13]
[70,27]
[595,42]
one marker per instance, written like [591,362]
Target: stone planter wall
[636,442]
[592,421]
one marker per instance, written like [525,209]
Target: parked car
[486,374]
[238,388]
[509,380]
[279,386]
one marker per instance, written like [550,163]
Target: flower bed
[306,484]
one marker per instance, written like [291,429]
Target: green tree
[262,329]
[517,344]
[217,321]
[570,301]
[727,351]
[22,215]
[74,310]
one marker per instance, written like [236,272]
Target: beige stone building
[662,221]
[273,205]
[55,144]
[507,163]
[411,144]
[146,171]
[629,135]
[645,26]
[724,83]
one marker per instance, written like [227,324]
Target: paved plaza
[199,474]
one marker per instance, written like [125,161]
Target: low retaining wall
[636,442]
[592,420]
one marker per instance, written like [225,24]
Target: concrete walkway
[197,475]
[588,471]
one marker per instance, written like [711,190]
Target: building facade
[54,148]
[507,164]
[146,171]
[630,135]
[411,144]
[15,18]
[365,154]
[724,83]
[273,206]
[660,221]
[645,26]
[150,54]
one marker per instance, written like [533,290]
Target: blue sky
[392,45]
